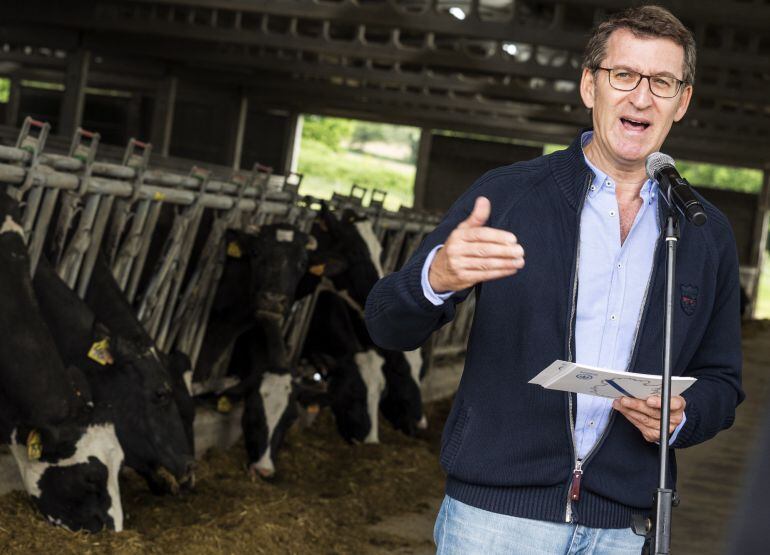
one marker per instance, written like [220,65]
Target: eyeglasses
[661,86]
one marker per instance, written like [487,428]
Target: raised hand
[474,253]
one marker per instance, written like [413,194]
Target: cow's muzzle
[272,305]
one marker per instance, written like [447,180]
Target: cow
[109,305]
[355,375]
[244,337]
[62,440]
[126,376]
[352,243]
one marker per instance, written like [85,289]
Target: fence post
[759,244]
[71,115]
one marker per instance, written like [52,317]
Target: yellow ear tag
[100,352]
[224,405]
[34,446]
[313,409]
[317,270]
[234,250]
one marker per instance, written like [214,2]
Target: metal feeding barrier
[121,210]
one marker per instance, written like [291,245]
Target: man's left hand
[645,414]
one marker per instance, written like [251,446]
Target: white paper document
[569,376]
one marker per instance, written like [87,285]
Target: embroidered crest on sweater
[689,298]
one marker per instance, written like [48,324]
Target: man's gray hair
[645,22]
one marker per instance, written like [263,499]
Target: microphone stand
[658,533]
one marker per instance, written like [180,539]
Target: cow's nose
[272,303]
[188,479]
[262,469]
[266,472]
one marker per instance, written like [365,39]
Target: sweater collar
[572,174]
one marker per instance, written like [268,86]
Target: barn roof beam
[120,17]
[434,16]
[461,108]
[195,54]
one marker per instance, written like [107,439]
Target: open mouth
[634,125]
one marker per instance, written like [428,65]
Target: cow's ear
[234,249]
[233,244]
[101,350]
[329,265]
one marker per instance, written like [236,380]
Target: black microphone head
[656,162]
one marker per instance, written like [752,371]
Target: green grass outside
[5,89]
[327,171]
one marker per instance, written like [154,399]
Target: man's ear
[684,102]
[587,84]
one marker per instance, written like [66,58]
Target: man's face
[630,125]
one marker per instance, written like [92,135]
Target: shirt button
[620,265]
[591,423]
[613,317]
[593,187]
[612,212]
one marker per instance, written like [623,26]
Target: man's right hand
[474,253]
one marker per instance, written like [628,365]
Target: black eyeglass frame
[609,70]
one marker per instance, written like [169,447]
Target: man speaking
[531,470]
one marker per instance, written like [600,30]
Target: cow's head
[124,374]
[401,403]
[73,480]
[147,416]
[269,412]
[268,395]
[342,242]
[278,257]
[356,384]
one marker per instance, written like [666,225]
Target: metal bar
[41,227]
[141,257]
[72,257]
[183,241]
[89,258]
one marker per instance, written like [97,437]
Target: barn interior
[197,105]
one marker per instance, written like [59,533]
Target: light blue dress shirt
[613,281]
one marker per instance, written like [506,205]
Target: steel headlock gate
[115,208]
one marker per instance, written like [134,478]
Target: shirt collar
[601,180]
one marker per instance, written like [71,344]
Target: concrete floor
[710,476]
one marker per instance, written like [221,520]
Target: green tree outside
[5,89]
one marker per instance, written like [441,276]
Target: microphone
[676,189]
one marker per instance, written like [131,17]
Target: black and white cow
[351,241]
[354,372]
[244,337]
[63,442]
[125,376]
[109,305]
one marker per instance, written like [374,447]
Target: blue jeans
[464,530]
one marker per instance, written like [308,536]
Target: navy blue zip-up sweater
[507,445]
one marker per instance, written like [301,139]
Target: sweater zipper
[577,473]
[576,477]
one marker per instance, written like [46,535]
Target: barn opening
[336,153]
